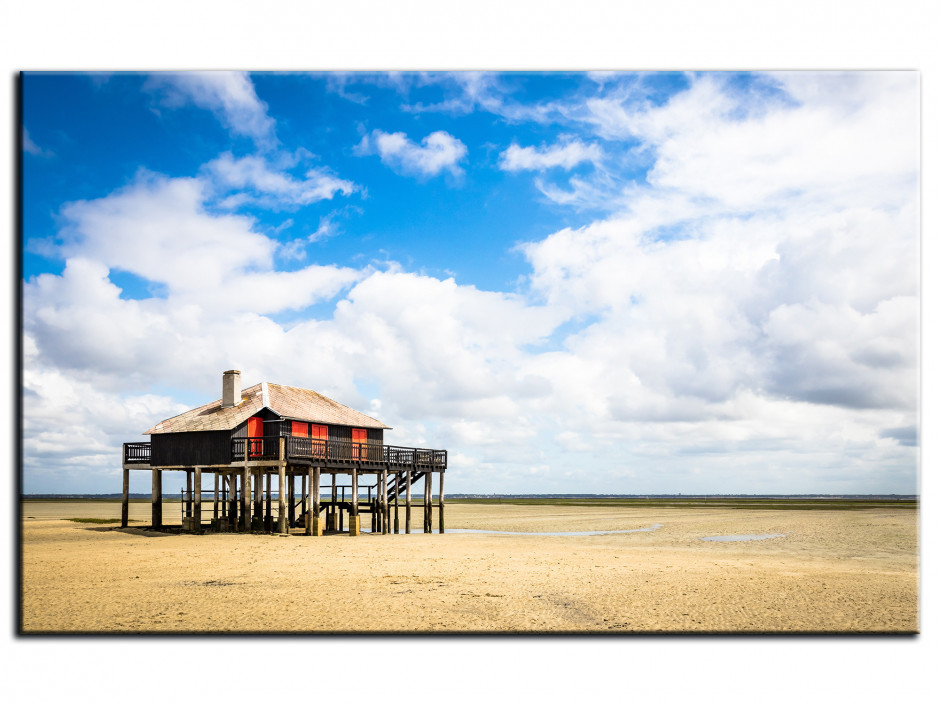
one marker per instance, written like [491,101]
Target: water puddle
[542,533]
[743,537]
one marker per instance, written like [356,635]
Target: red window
[255,432]
[298,428]
[359,439]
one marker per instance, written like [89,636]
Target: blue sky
[575,282]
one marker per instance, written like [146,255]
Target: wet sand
[831,571]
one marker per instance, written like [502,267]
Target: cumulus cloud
[230,95]
[438,152]
[566,156]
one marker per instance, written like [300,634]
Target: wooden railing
[259,448]
[137,453]
[330,451]
[351,452]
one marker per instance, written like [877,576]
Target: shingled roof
[288,402]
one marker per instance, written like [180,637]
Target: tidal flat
[830,571]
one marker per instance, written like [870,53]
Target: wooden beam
[125,497]
[156,500]
[197,505]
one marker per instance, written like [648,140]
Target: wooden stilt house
[249,438]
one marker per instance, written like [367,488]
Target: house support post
[331,524]
[304,498]
[197,500]
[282,498]
[397,482]
[258,520]
[233,501]
[308,502]
[281,487]
[440,501]
[383,500]
[267,502]
[189,494]
[291,492]
[156,501]
[246,497]
[125,497]
[427,502]
[354,503]
[215,499]
[408,501]
[316,525]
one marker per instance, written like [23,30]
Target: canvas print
[592,352]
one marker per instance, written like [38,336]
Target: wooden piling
[397,485]
[258,518]
[233,501]
[267,504]
[291,491]
[440,501]
[315,492]
[383,499]
[308,502]
[125,497]
[246,498]
[197,497]
[281,499]
[408,501]
[156,500]
[427,502]
[189,494]
[215,498]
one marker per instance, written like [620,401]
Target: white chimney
[231,388]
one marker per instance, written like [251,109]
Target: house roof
[288,402]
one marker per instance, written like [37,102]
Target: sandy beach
[830,571]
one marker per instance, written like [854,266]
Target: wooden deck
[327,454]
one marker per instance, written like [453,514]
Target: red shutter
[298,428]
[255,430]
[359,438]
[320,435]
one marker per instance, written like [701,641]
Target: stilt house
[249,437]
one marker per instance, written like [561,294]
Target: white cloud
[438,152]
[230,95]
[31,147]
[566,156]
[257,182]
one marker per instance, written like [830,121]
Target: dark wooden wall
[192,448]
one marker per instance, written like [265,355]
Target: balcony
[330,453]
